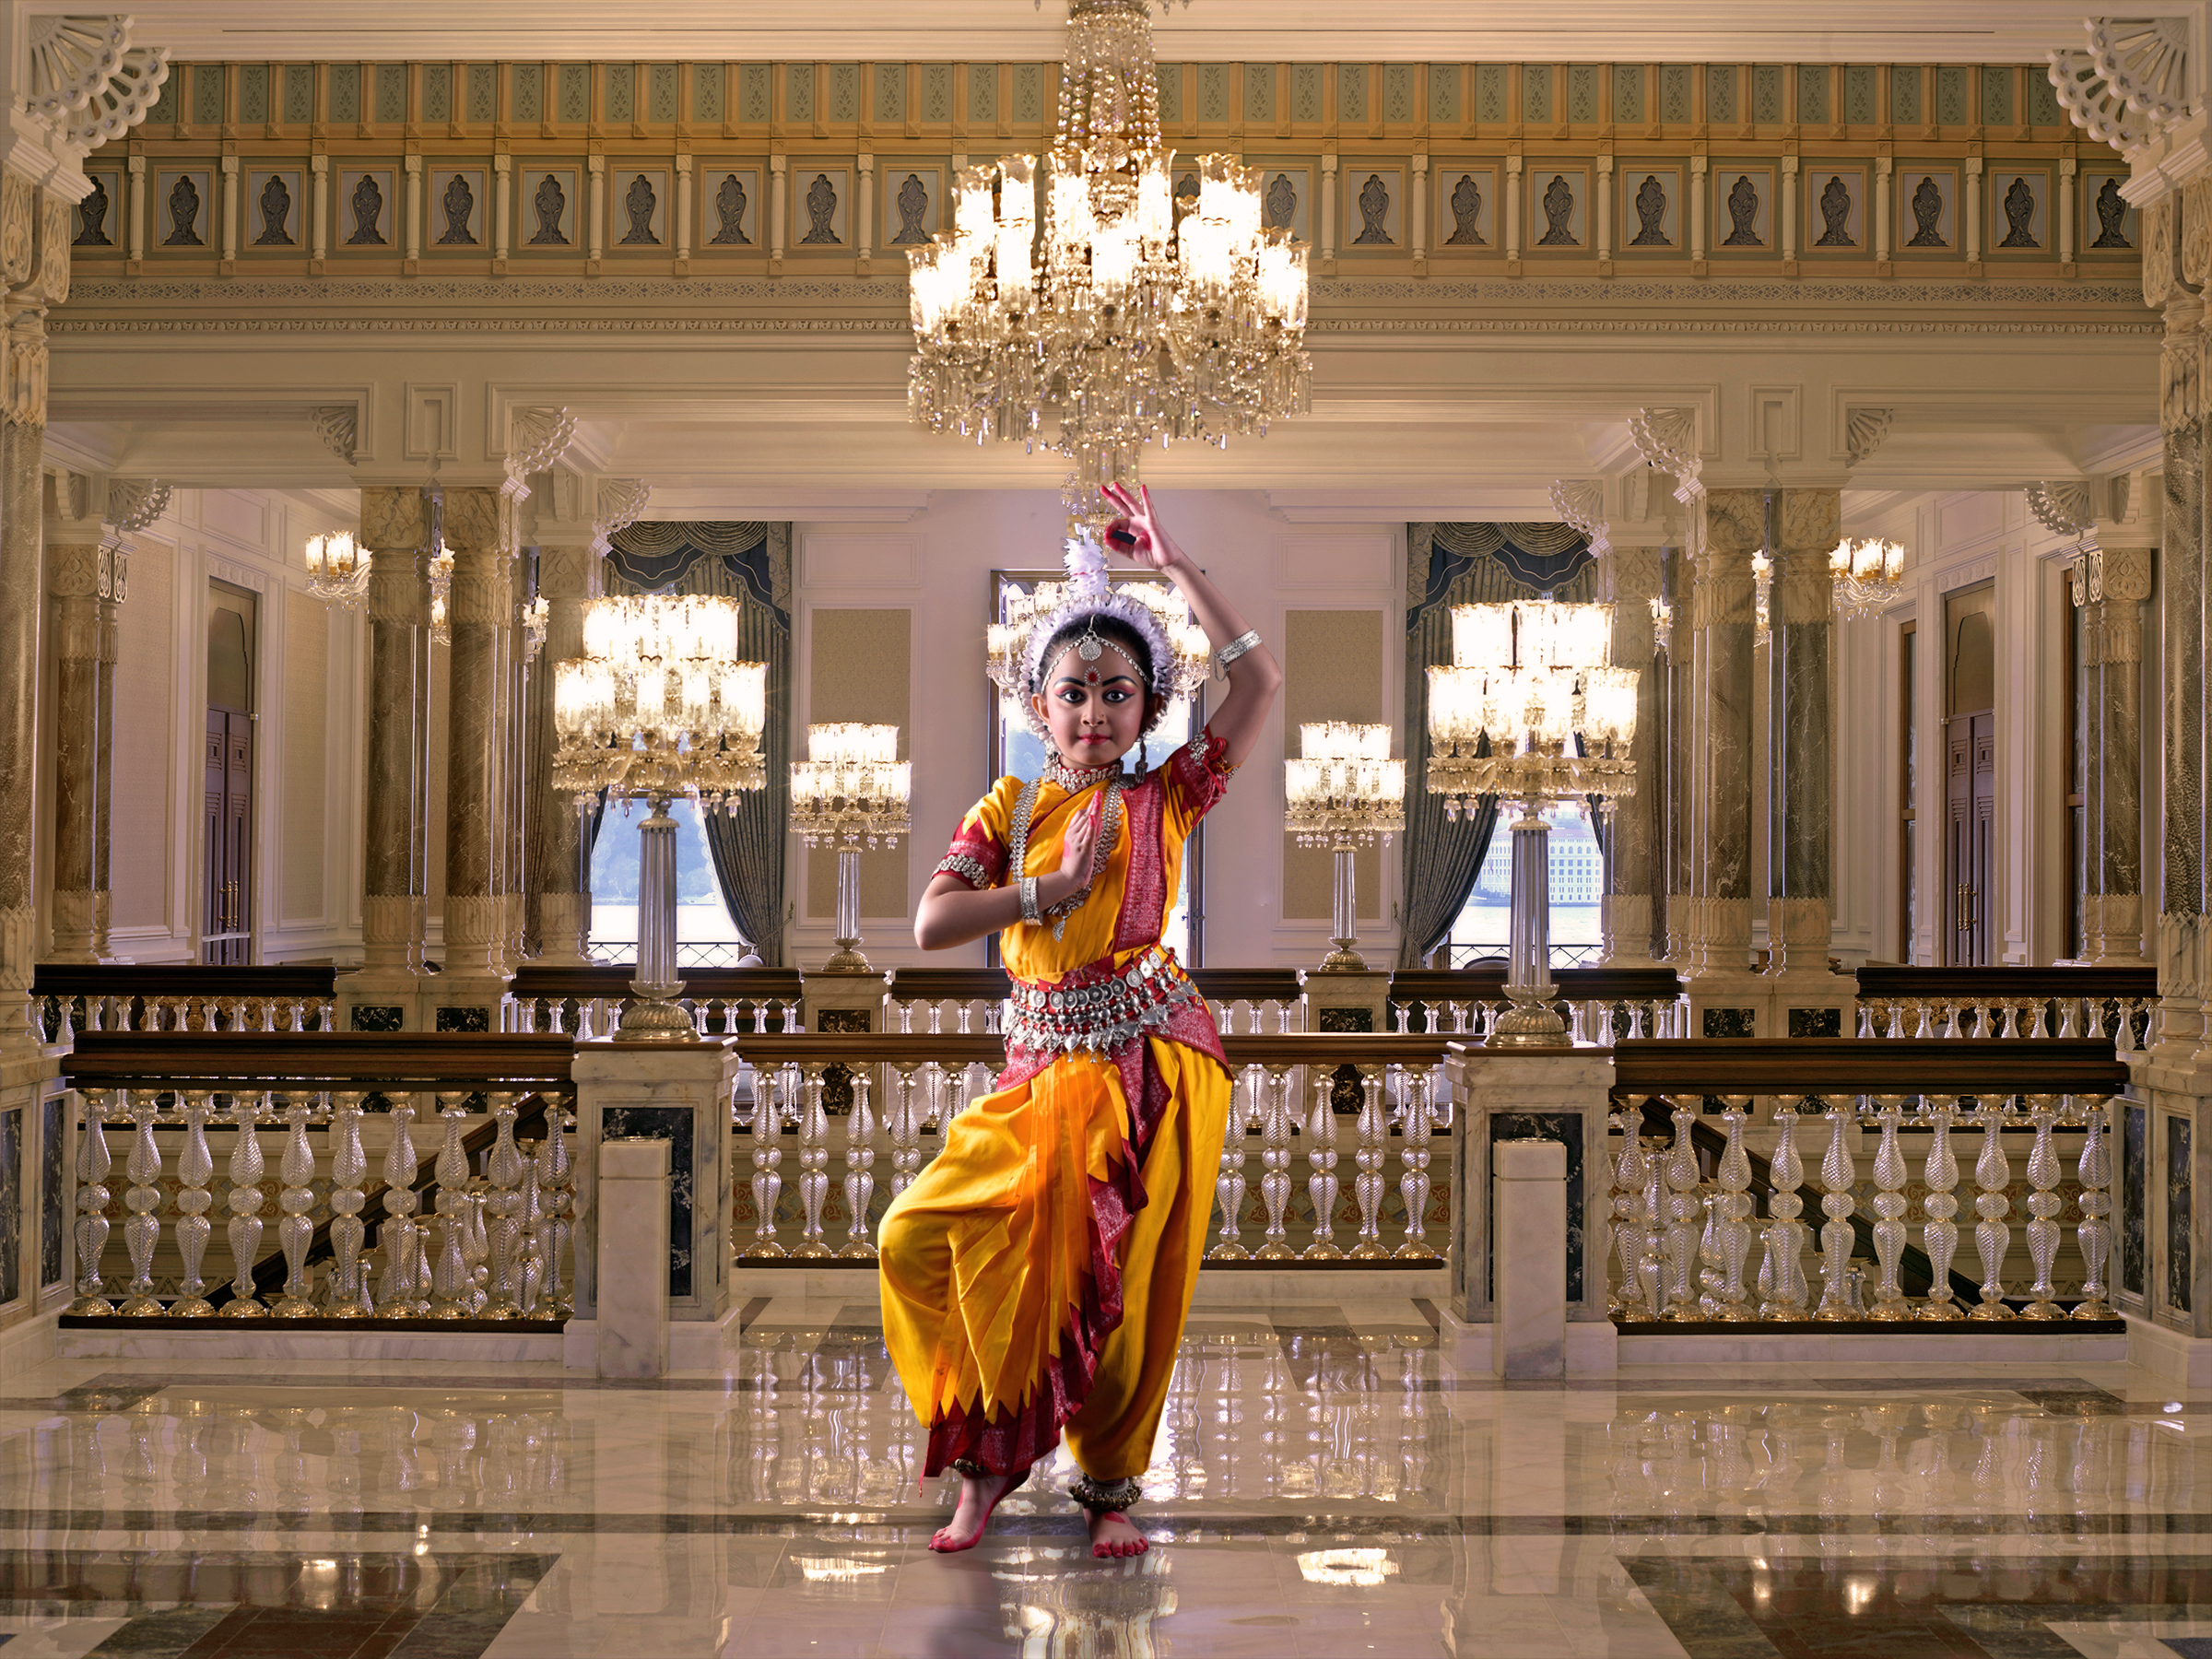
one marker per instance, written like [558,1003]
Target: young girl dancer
[1037,1275]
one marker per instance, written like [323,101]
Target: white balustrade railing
[64,1018]
[2090,1016]
[1659,1195]
[504,1228]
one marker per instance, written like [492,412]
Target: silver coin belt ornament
[1099,1008]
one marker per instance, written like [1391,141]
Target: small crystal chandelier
[537,617]
[1868,575]
[337,570]
[1087,293]
[852,791]
[442,593]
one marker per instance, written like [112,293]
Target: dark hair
[1122,638]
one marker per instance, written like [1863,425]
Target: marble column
[2109,587]
[80,563]
[480,532]
[1717,928]
[1801,726]
[396,529]
[568,559]
[34,263]
[1634,841]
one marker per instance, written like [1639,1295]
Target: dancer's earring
[1142,765]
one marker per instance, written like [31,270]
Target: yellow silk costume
[1037,1275]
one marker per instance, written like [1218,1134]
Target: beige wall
[862,667]
[146,681]
[299,855]
[1333,668]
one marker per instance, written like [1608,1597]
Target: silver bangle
[1236,648]
[1030,912]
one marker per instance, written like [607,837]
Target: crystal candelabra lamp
[1762,597]
[337,570]
[1344,792]
[1868,575]
[1083,307]
[1663,624]
[658,706]
[1531,710]
[851,792]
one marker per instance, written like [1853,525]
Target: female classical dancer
[1037,1275]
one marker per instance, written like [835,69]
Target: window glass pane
[1578,882]
[705,935]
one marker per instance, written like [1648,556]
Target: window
[705,937]
[1016,749]
[1578,883]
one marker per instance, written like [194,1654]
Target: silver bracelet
[1030,912]
[1236,648]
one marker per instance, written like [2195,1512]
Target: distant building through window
[1578,883]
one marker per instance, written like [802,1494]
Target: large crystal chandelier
[1133,316]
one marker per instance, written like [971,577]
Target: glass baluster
[1838,1181]
[814,1165]
[195,1167]
[1889,1175]
[142,1199]
[1733,1205]
[1274,1162]
[1783,1272]
[401,1237]
[2095,1232]
[2043,1205]
[348,1170]
[1993,1237]
[1940,1235]
[245,1200]
[1322,1187]
[295,1198]
[93,1162]
[1367,1185]
[1230,1183]
[767,1155]
[1417,1124]
[1680,1172]
[503,1204]
[860,1172]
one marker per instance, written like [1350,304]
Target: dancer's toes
[1113,1536]
[980,1496]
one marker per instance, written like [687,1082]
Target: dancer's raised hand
[1137,535]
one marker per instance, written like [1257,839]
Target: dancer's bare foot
[1114,1535]
[980,1494]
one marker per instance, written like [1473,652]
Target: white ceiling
[1227,30]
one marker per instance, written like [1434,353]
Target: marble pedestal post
[1634,839]
[2109,587]
[82,570]
[631,1239]
[1506,1096]
[1528,1244]
[1345,1002]
[676,1092]
[1715,926]
[395,530]
[1805,998]
[478,525]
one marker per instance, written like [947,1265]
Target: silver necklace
[1110,829]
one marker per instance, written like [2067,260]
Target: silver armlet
[1235,649]
[1030,912]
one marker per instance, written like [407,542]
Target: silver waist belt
[1102,1014]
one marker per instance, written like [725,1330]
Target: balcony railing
[180,996]
[1705,1229]
[348,1104]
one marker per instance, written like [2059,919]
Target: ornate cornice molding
[87,81]
[541,437]
[2130,83]
[338,426]
[1863,432]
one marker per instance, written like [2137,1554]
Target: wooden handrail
[949,984]
[1894,980]
[952,1048]
[613,979]
[382,1060]
[1487,983]
[1248,985]
[1848,1065]
[303,980]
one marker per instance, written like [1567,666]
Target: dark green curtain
[1449,565]
[750,562]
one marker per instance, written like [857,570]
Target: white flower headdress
[1177,646]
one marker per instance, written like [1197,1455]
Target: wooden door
[1970,799]
[226,923]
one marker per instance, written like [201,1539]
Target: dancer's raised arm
[1254,676]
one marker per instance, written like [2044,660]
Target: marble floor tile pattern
[1327,1483]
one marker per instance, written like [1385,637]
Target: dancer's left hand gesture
[1137,535]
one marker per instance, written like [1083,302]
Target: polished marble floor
[1325,1484]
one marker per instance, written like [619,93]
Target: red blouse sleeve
[978,854]
[1197,777]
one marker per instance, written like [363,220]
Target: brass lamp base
[1343,960]
[846,958]
[655,1016]
[1531,1022]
